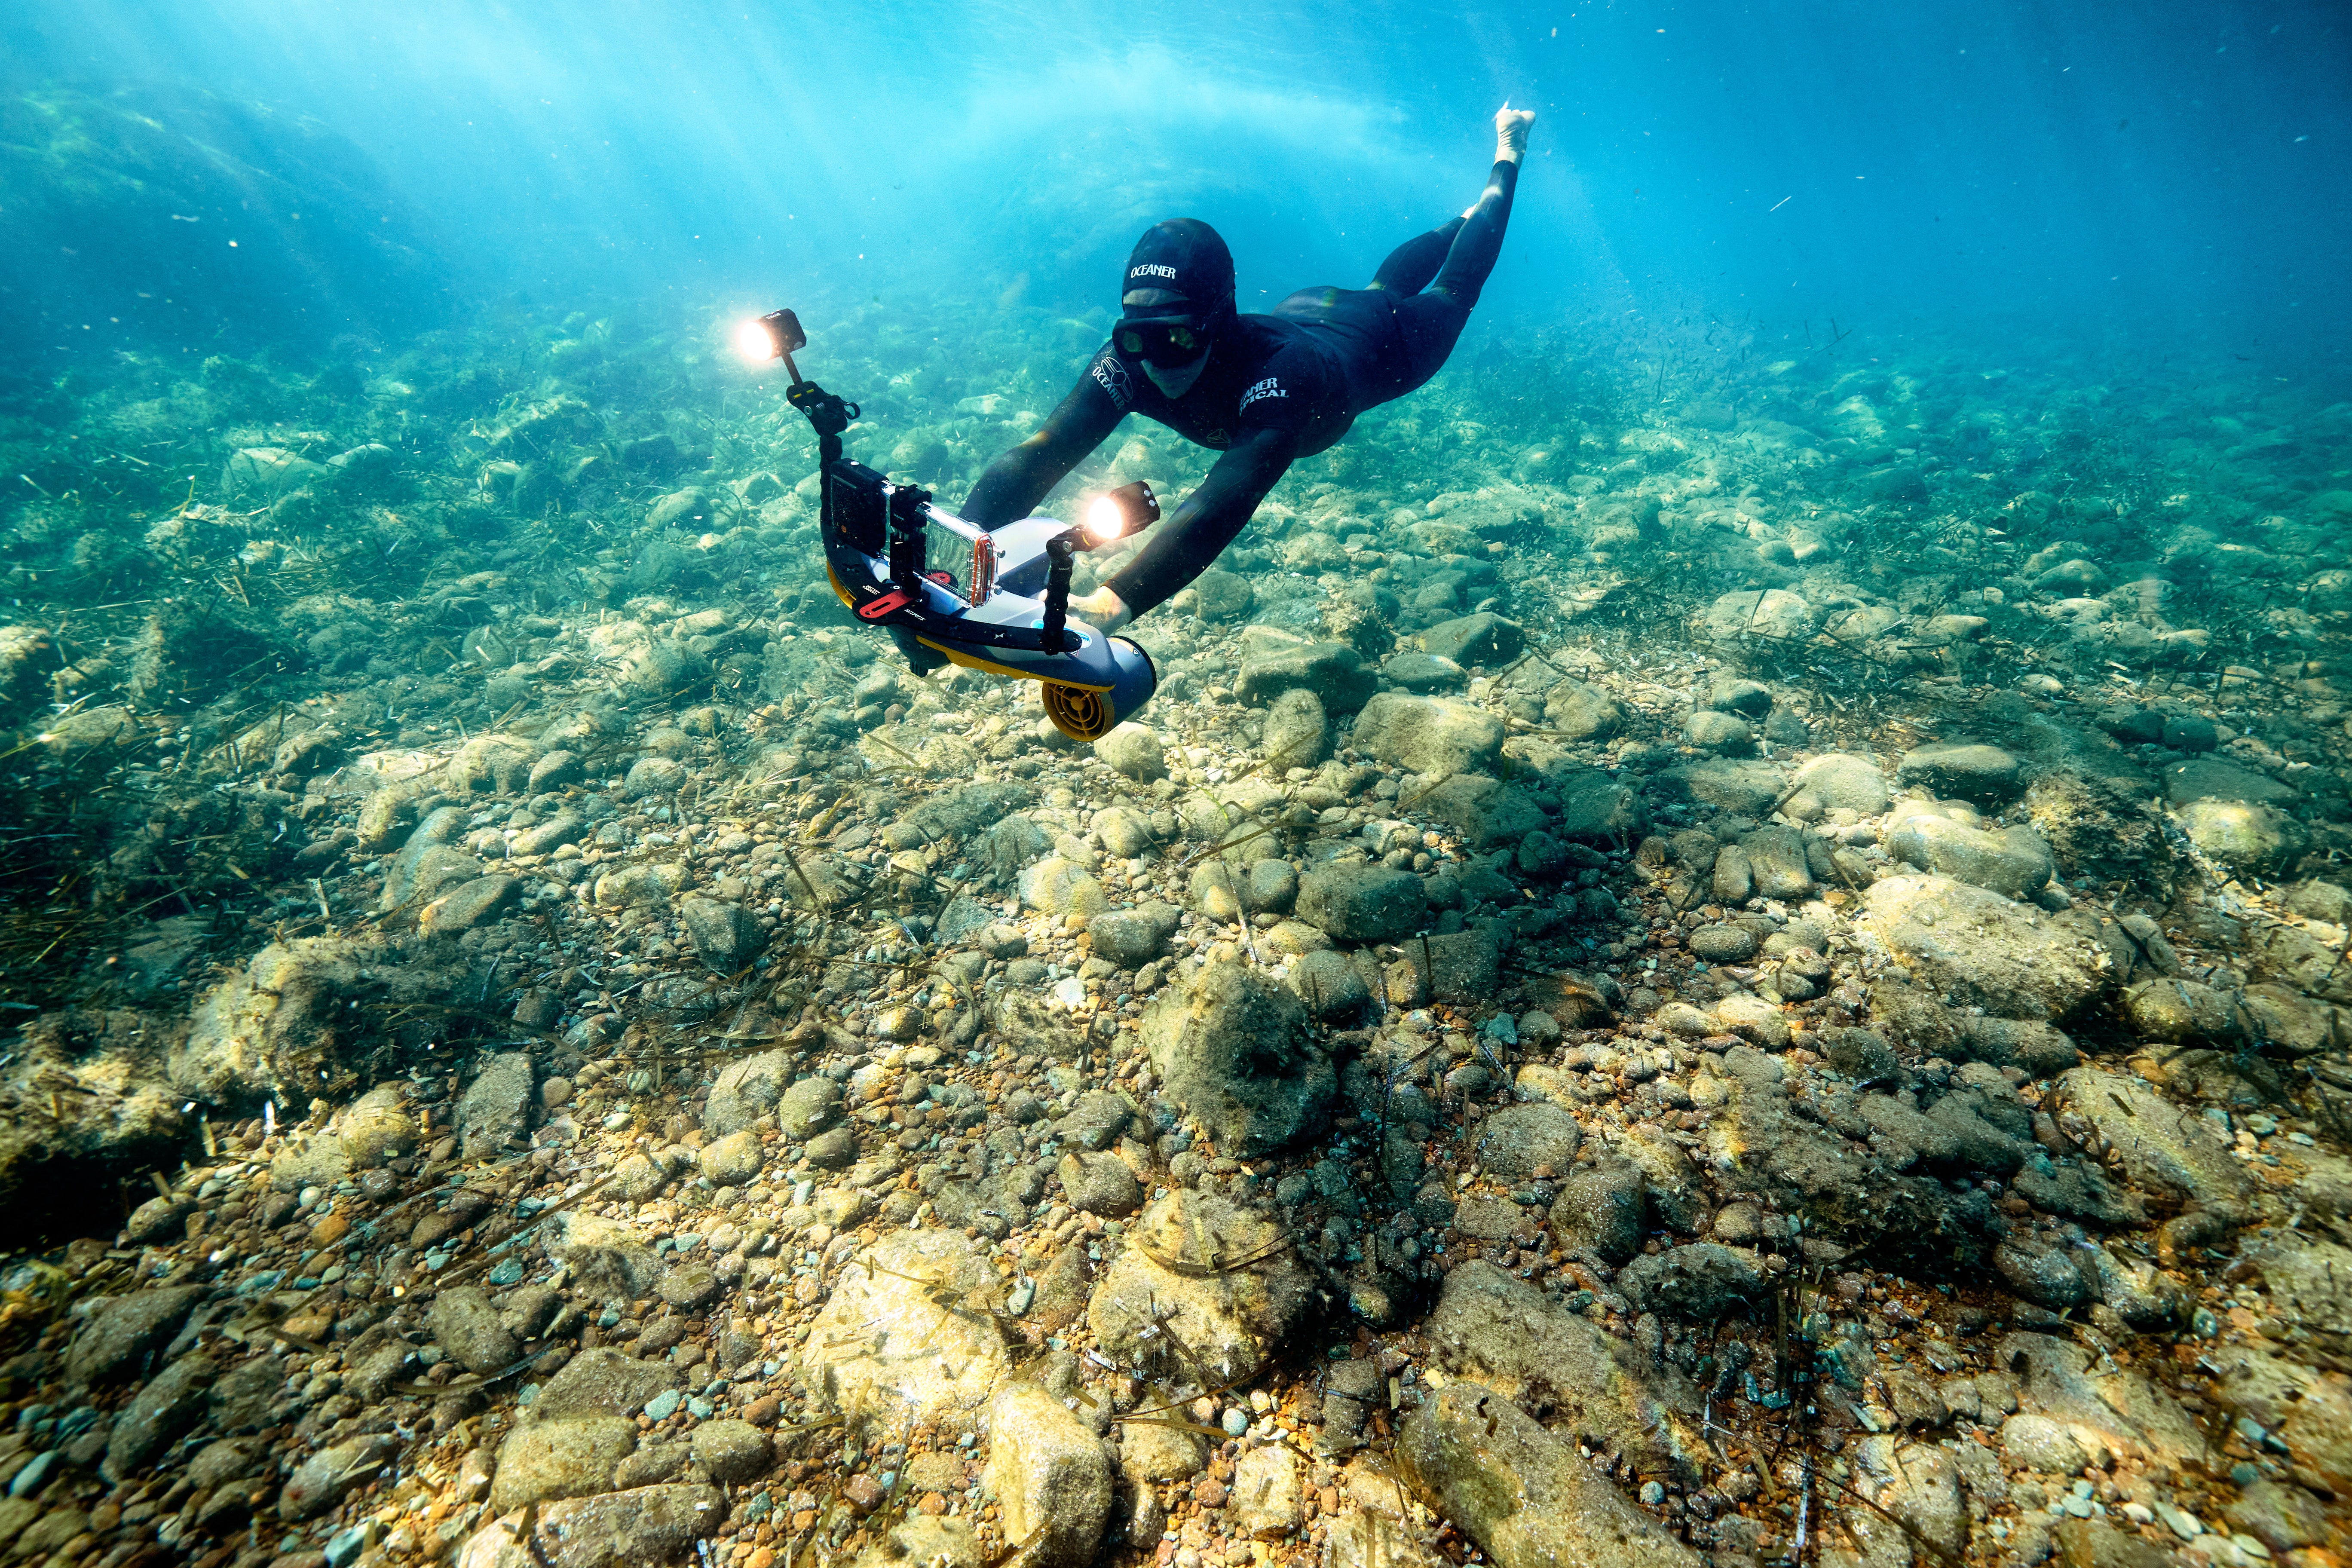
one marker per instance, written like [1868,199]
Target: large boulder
[475,902]
[1485,811]
[377,1128]
[292,1024]
[28,660]
[896,1340]
[2012,861]
[121,1330]
[1333,671]
[103,1115]
[1057,887]
[602,1382]
[1135,750]
[575,1456]
[2161,1148]
[1576,711]
[1980,949]
[1767,616]
[625,1528]
[1047,1473]
[2243,836]
[1133,937]
[492,763]
[1596,809]
[496,1106]
[1430,735]
[1567,1370]
[1356,901]
[1241,1055]
[1223,1278]
[746,1090]
[1483,639]
[1703,1281]
[1743,788]
[1520,1139]
[1528,1499]
[1987,775]
[603,1255]
[1836,781]
[725,935]
[1298,731]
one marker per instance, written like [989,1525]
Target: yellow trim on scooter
[973,661]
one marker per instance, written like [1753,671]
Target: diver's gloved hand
[1102,609]
[921,659]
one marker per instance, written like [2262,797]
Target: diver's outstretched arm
[1017,482]
[1193,537]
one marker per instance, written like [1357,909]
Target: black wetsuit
[1275,387]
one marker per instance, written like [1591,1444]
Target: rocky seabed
[1760,979]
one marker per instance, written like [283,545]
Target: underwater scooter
[994,601]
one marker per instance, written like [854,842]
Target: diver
[1261,389]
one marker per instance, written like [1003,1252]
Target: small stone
[1724,732]
[470,904]
[688,1286]
[1133,937]
[1100,1184]
[1723,944]
[733,1161]
[319,1481]
[465,1325]
[732,1451]
[1134,751]
[724,934]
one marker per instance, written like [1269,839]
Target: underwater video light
[1127,510]
[776,335]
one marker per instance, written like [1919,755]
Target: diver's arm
[1017,482]
[1207,522]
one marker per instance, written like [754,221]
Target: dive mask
[1166,341]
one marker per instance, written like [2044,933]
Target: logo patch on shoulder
[1269,387]
[1110,374]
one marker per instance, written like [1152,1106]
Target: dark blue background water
[2172,169]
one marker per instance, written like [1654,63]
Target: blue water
[2174,172]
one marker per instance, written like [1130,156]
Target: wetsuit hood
[1179,268]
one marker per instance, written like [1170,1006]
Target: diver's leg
[1412,264]
[1480,238]
[1429,324]
[1427,327]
